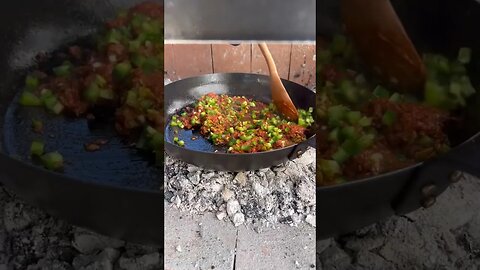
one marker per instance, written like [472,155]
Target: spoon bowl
[383,44]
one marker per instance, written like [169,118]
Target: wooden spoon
[381,40]
[280,97]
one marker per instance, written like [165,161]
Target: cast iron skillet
[201,152]
[115,191]
[440,26]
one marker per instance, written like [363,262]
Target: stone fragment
[146,262]
[232,207]
[312,220]
[87,242]
[238,219]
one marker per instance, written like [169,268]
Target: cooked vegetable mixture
[244,125]
[366,129]
[123,73]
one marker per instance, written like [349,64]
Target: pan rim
[80,180]
[218,74]
[243,154]
[214,75]
[353,183]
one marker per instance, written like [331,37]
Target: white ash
[31,239]
[281,194]
[238,219]
[232,207]
[310,219]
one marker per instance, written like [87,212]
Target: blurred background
[193,21]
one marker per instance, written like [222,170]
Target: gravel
[281,194]
[30,239]
[445,236]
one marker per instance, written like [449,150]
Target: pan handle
[300,148]
[434,176]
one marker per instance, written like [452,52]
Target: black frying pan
[115,191]
[201,152]
[441,26]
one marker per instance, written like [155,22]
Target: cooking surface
[115,163]
[201,143]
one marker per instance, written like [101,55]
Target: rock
[238,219]
[367,230]
[421,246]
[307,158]
[216,187]
[109,254]
[292,171]
[232,207]
[322,245]
[103,260]
[221,215]
[16,216]
[473,231]
[366,243]
[227,194]
[192,168]
[370,260]
[270,175]
[194,178]
[306,192]
[177,201]
[98,265]
[63,252]
[334,258]
[259,189]
[168,195]
[179,248]
[146,262]
[296,219]
[83,260]
[134,250]
[45,264]
[266,196]
[241,179]
[87,242]
[312,220]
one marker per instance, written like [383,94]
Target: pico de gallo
[122,72]
[366,129]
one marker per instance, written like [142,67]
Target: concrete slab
[200,242]
[283,247]
[444,236]
[204,242]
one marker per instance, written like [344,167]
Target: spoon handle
[268,57]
